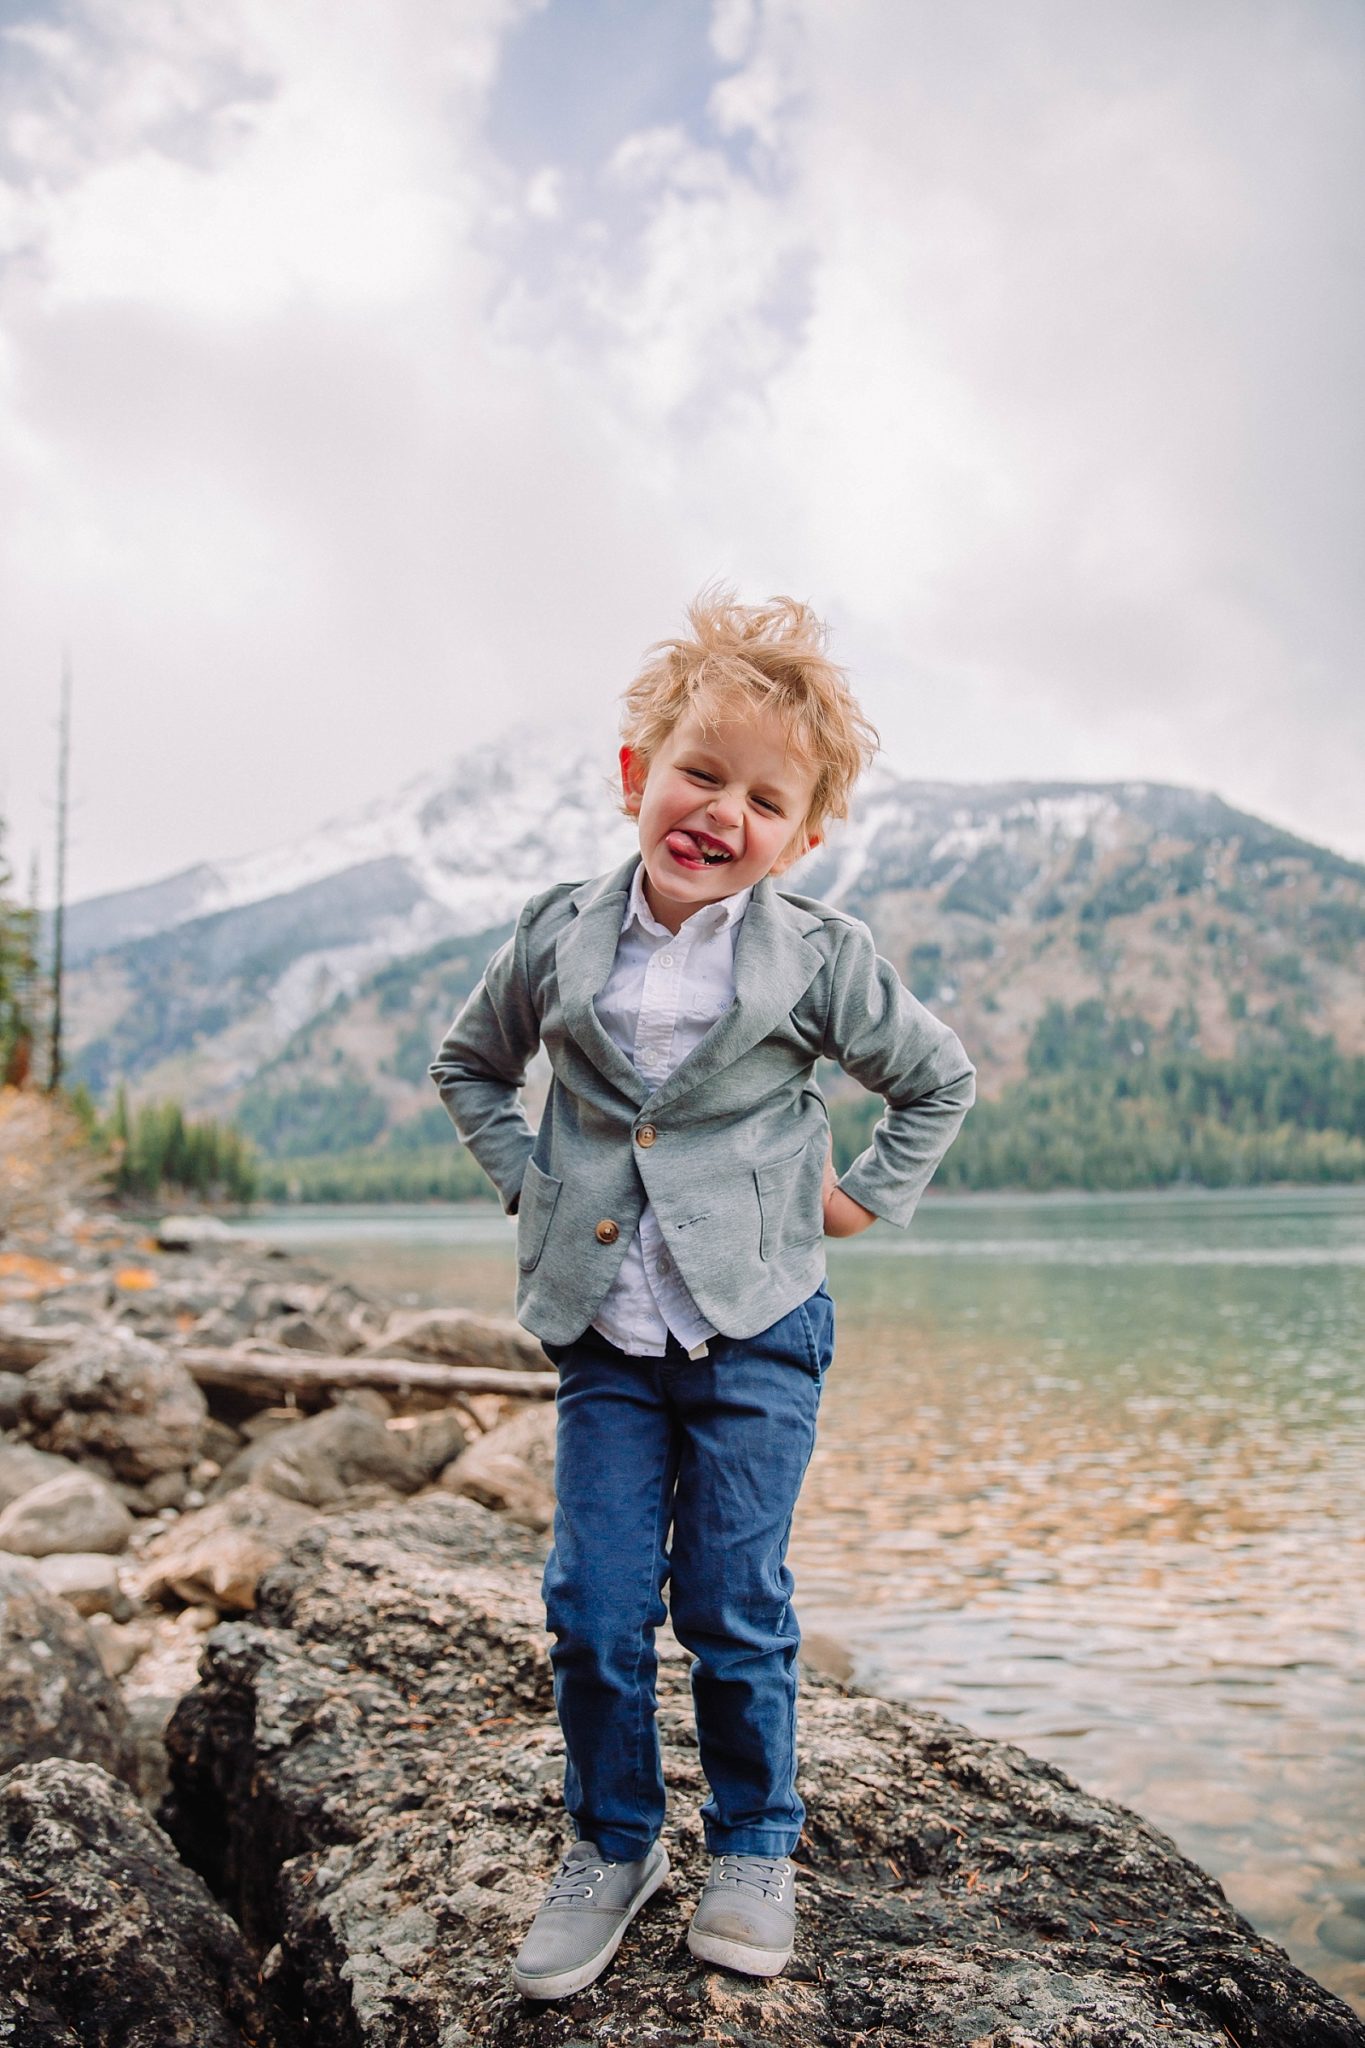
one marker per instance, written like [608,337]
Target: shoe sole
[741,1956]
[563,1983]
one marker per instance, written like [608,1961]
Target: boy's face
[719,807]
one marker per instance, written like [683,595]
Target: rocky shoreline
[278,1759]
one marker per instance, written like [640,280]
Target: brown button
[646,1135]
[607,1231]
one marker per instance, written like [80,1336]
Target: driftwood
[26,1344]
[265,1375]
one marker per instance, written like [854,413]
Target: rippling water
[1091,1478]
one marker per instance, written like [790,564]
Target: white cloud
[1022,341]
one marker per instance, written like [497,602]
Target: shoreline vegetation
[280,1761]
[1107,1102]
[1107,1105]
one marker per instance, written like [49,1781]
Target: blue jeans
[717,1448]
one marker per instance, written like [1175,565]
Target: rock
[154,1663]
[11,1387]
[166,1668]
[217,1443]
[120,1397]
[512,1468]
[321,1460]
[330,1320]
[55,1697]
[105,1936]
[187,1233]
[75,1510]
[444,1637]
[86,1579]
[320,1315]
[455,1336]
[311,1333]
[430,1441]
[166,1490]
[216,1554]
[265,1422]
[22,1468]
[225,1326]
[120,1644]
[368,1772]
[488,1410]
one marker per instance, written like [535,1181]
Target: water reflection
[1089,1479]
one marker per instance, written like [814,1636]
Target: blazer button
[607,1231]
[646,1135]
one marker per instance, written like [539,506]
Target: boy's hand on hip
[843,1216]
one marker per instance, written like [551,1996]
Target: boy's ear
[632,779]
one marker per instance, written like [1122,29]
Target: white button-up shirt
[665,991]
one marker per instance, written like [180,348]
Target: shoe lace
[574,1880]
[764,1874]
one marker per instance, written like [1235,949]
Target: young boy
[671,1211]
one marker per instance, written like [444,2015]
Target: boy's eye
[699,775]
[766,803]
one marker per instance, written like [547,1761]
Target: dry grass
[46,1163]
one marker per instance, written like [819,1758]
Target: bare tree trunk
[63,757]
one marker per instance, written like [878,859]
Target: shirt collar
[703,924]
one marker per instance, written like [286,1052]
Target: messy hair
[756,657]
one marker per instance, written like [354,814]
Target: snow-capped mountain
[460,848]
[345,951]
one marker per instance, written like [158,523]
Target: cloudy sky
[374,373]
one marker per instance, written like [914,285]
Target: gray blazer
[731,1148]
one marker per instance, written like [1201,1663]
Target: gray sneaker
[746,1916]
[579,1926]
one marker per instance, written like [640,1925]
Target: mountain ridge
[341,955]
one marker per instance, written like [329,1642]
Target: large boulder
[188,1233]
[117,1397]
[369,1774]
[341,1321]
[431,1441]
[55,1699]
[22,1467]
[105,1936]
[216,1555]
[87,1580]
[324,1458]
[72,1511]
[511,1468]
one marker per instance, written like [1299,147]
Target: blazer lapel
[774,967]
[584,952]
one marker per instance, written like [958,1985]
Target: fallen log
[265,1375]
[26,1344]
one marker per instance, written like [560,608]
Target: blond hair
[765,657]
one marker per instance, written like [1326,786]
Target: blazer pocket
[535,1207]
[789,1198]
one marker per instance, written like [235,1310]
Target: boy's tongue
[684,846]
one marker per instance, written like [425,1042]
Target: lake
[1091,1479]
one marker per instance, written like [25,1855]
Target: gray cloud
[336,429]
